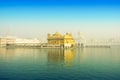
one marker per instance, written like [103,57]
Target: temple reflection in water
[60,55]
[50,56]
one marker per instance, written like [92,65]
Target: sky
[36,18]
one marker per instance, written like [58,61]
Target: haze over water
[36,18]
[60,64]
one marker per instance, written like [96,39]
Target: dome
[57,34]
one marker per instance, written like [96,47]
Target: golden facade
[62,40]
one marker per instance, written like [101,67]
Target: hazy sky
[36,18]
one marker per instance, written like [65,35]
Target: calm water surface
[60,64]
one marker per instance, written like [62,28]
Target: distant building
[10,40]
[13,41]
[27,41]
[7,40]
[2,41]
[62,40]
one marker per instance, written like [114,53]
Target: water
[60,64]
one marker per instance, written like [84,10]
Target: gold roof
[57,34]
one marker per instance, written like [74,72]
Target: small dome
[57,34]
